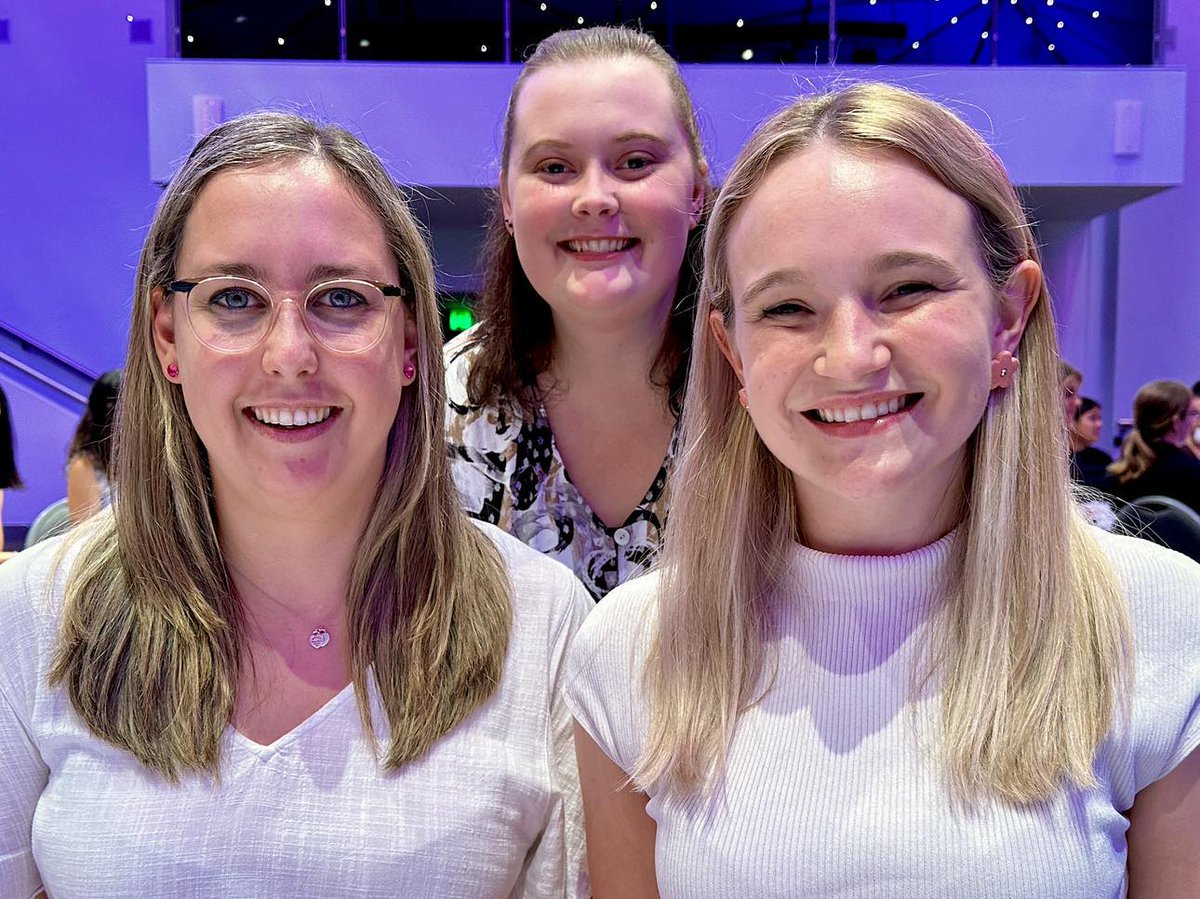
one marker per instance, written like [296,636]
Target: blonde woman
[285,664]
[564,400]
[884,655]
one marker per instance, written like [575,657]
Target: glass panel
[241,29]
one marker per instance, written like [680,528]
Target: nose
[288,348]
[596,193]
[853,345]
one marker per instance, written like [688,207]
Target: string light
[1050,48]
[191,40]
[483,48]
[872,2]
[363,42]
[579,21]
[279,40]
[1060,25]
[653,5]
[741,23]
[329,2]
[543,7]
[129,18]
[747,54]
[983,36]
[954,20]
[1029,20]
[916,45]
[1095,13]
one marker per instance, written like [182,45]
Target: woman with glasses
[884,654]
[285,663]
[1155,460]
[564,400]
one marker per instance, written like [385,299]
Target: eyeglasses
[233,315]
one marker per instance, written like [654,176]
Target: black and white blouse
[509,473]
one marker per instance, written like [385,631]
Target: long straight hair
[153,631]
[94,434]
[516,330]
[1033,642]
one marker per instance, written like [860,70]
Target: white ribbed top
[834,787]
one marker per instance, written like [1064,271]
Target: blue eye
[235,298]
[340,298]
[782,310]
[553,168]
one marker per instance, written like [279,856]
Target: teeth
[292,418]
[865,412]
[609,245]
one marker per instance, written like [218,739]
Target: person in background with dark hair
[563,402]
[1193,437]
[1088,462]
[1154,458]
[89,487]
[9,477]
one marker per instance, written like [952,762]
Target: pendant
[319,638]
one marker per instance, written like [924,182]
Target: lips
[599,246]
[290,416]
[849,413]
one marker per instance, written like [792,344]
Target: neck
[880,523]
[613,354]
[291,566]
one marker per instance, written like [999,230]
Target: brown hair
[1157,407]
[516,331]
[152,637]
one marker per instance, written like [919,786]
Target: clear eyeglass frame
[185,287]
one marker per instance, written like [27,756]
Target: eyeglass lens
[234,314]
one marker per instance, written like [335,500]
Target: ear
[1018,298]
[409,355]
[505,200]
[699,190]
[163,322]
[716,324]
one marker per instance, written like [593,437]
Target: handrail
[56,372]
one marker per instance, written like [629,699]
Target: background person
[9,477]
[285,663]
[884,654]
[1193,440]
[1154,458]
[564,399]
[1088,461]
[89,459]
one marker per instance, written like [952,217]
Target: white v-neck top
[492,810]
[833,784]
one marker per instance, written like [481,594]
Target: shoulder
[32,590]
[541,587]
[605,666]
[1161,586]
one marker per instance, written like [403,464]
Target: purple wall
[84,138]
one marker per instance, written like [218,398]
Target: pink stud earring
[410,371]
[172,370]
[742,398]
[1004,367]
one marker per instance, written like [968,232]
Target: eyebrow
[315,275]
[625,137]
[783,277]
[889,262]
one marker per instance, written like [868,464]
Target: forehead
[628,93]
[279,211]
[829,206]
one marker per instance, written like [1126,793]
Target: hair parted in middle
[1157,408]
[515,329]
[152,633]
[1033,639]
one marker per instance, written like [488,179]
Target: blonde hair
[152,634]
[1032,644]
[1157,408]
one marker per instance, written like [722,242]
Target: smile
[600,245]
[291,417]
[863,412]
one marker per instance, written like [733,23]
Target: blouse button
[620,536]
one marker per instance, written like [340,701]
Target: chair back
[1164,520]
[50,522]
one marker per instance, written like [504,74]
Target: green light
[460,318]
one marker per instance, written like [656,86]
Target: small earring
[410,371]
[508,225]
[1004,367]
[742,398]
[172,370]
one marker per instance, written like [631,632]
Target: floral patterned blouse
[508,472]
